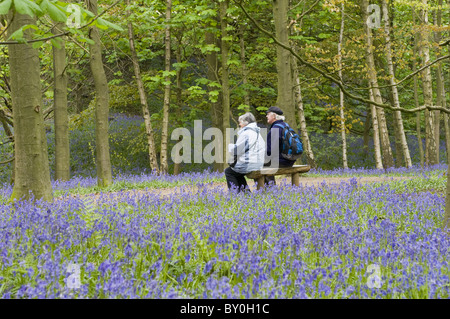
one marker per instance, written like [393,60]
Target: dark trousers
[235,179]
[270,180]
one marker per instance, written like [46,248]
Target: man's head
[273,114]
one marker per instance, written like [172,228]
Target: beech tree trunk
[32,171]
[102,156]
[285,86]
[397,115]
[225,46]
[388,159]
[341,94]
[143,98]
[61,116]
[179,101]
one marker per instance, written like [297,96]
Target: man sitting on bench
[275,119]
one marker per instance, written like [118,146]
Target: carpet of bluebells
[282,242]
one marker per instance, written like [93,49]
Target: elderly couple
[250,149]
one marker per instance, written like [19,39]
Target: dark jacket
[272,131]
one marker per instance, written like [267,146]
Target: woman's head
[246,119]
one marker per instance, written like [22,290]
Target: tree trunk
[213,75]
[143,98]
[285,88]
[102,156]
[32,172]
[424,51]
[388,159]
[61,116]
[440,86]
[244,65]
[165,122]
[416,96]
[397,115]
[179,101]
[225,81]
[341,94]
[367,125]
[376,136]
[301,116]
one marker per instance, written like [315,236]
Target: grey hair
[279,117]
[247,118]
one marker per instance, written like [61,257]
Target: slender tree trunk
[341,94]
[301,116]
[244,64]
[285,92]
[165,122]
[143,98]
[376,136]
[61,116]
[225,81]
[216,107]
[424,51]
[440,86]
[32,172]
[367,125]
[416,96]
[388,159]
[397,115]
[179,101]
[102,156]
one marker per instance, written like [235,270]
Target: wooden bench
[294,171]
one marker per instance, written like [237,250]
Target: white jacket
[250,148]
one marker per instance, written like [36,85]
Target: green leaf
[56,13]
[108,24]
[56,43]
[37,44]
[4,6]
[18,35]
[27,7]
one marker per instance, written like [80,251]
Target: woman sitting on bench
[248,151]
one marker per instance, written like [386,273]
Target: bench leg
[259,182]
[296,179]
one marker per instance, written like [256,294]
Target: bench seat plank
[279,171]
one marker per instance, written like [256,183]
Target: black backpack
[292,147]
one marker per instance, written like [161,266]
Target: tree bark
[61,115]
[440,86]
[143,98]
[424,52]
[341,94]
[416,96]
[179,101]
[397,115]
[32,172]
[102,156]
[301,116]
[388,159]
[376,136]
[225,46]
[165,121]
[244,64]
[213,75]
[285,86]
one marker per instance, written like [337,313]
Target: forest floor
[197,189]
